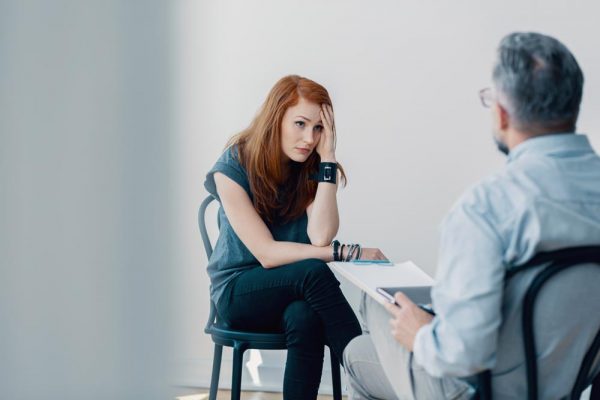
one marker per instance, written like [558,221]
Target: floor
[202,394]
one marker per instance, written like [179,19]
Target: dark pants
[302,299]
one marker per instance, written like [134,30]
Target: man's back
[555,195]
[547,197]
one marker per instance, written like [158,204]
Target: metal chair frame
[556,262]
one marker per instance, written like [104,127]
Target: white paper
[368,277]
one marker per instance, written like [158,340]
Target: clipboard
[420,295]
[369,277]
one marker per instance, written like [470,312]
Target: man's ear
[501,117]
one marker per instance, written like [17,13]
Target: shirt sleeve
[229,165]
[467,296]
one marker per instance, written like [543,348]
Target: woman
[277,183]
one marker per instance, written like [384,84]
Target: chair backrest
[546,304]
[202,225]
[208,249]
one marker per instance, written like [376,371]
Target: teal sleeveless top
[230,256]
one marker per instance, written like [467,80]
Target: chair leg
[236,376]
[484,391]
[336,381]
[595,392]
[216,370]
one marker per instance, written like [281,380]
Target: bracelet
[355,249]
[350,252]
[355,252]
[336,246]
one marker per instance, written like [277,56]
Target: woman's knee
[319,271]
[310,267]
[300,316]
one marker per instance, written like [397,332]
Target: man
[547,197]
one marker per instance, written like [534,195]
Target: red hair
[277,196]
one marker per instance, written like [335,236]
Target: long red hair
[279,194]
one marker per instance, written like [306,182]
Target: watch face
[327,173]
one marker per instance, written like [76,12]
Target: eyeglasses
[487,97]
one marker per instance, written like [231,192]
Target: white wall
[404,77]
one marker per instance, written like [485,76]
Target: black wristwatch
[327,172]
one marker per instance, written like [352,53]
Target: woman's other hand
[372,254]
[326,145]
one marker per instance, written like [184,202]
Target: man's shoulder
[487,190]
[492,197]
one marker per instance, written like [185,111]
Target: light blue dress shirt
[547,197]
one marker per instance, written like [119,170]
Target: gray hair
[540,80]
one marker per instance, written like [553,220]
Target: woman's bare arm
[323,216]
[255,235]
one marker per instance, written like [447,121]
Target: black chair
[555,262]
[241,341]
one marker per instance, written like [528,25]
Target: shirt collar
[552,144]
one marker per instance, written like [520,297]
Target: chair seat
[255,340]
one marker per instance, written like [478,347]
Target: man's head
[537,88]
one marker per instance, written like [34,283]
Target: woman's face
[301,130]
